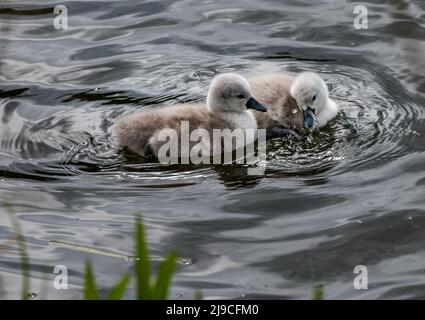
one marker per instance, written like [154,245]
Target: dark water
[352,194]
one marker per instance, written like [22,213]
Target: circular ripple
[372,129]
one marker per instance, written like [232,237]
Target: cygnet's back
[137,130]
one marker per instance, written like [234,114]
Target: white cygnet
[286,95]
[312,96]
[229,98]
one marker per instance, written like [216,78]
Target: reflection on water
[347,195]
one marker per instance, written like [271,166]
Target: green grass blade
[25,265]
[44,286]
[142,265]
[198,295]
[90,291]
[118,291]
[164,276]
[318,292]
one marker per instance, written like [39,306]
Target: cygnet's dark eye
[241,96]
[314,98]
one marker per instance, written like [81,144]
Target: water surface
[352,194]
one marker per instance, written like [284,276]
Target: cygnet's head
[311,94]
[229,92]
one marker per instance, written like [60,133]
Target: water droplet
[410,218]
[31,295]
[122,176]
[185,261]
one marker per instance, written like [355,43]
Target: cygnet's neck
[242,120]
[327,113]
[239,118]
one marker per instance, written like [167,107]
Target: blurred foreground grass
[148,287]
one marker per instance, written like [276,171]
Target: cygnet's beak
[254,104]
[309,118]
